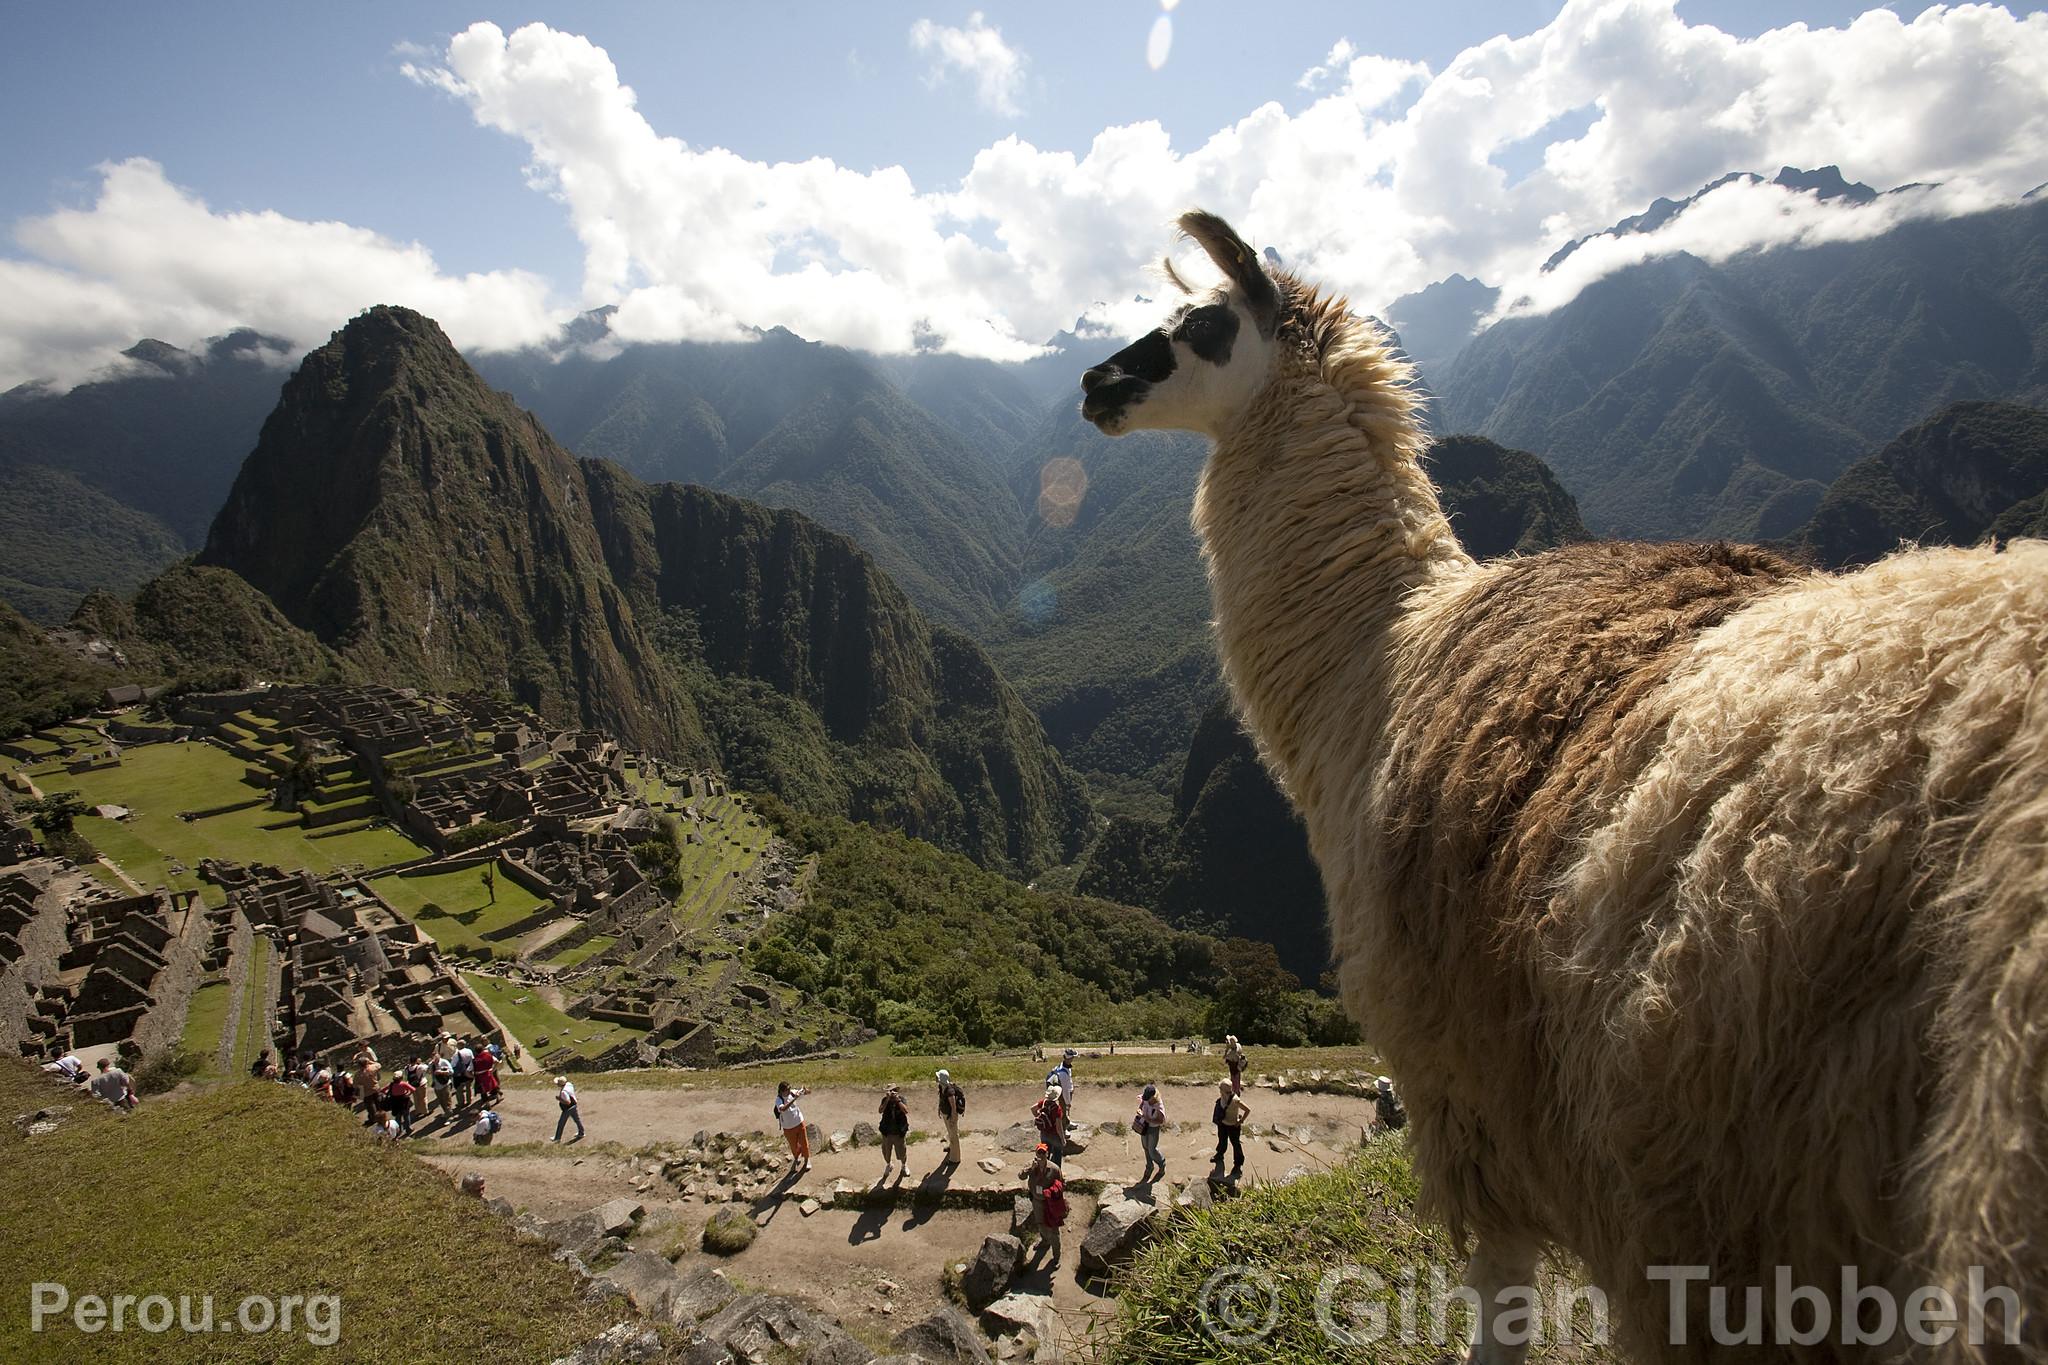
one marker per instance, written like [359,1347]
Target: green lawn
[466,910]
[259,1189]
[535,1017]
[252,1032]
[582,952]
[205,1020]
[156,781]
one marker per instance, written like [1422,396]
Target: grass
[582,952]
[156,781]
[533,1017]
[256,1189]
[1239,1284]
[206,1020]
[728,1232]
[467,914]
[251,1035]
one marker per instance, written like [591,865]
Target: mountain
[41,682]
[419,525]
[197,621]
[1971,471]
[1825,184]
[1677,398]
[105,484]
[1437,322]
[795,423]
[1233,858]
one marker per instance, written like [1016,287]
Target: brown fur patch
[1540,664]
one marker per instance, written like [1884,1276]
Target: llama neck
[1319,526]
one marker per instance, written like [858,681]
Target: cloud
[977,51]
[147,258]
[1386,177]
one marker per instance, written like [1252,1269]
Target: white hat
[943,1074]
[1385,1082]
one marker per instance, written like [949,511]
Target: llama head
[1214,354]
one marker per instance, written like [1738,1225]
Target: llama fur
[1699,900]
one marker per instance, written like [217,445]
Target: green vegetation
[582,952]
[206,1021]
[252,1026]
[1358,1217]
[477,835]
[728,1232]
[234,1192]
[39,682]
[521,1009]
[456,908]
[206,624]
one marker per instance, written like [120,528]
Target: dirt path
[841,1259]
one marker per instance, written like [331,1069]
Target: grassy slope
[466,910]
[534,1018]
[1359,1216]
[256,1189]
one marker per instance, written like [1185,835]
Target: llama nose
[1091,380]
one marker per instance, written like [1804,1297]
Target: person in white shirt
[791,1120]
[1064,1074]
[565,1097]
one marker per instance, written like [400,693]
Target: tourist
[895,1128]
[345,1090]
[66,1068]
[952,1105]
[565,1100]
[1233,1057]
[1063,1076]
[1231,1111]
[791,1120]
[486,1070]
[398,1101]
[418,1073]
[1051,1117]
[1389,1115]
[308,1069]
[444,1045]
[113,1085]
[487,1125]
[1043,1173]
[444,1082]
[263,1069]
[369,1086]
[386,1127]
[1148,1123]
[323,1084]
[465,1074]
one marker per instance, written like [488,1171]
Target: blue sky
[306,113]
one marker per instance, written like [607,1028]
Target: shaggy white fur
[1700,903]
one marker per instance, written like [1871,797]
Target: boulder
[1120,1227]
[947,1337]
[617,1216]
[988,1273]
[649,1282]
[990,1164]
[1078,1138]
[771,1327]
[1015,1315]
[1292,1174]
[865,1134]
[1195,1195]
[1021,1214]
[580,1234]
[840,1141]
[1018,1137]
[699,1294]
[627,1343]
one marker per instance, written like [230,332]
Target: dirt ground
[840,1259]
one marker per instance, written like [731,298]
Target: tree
[55,813]
[1256,998]
[491,881]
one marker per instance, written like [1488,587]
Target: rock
[866,1135]
[885,1287]
[617,1216]
[1114,1128]
[809,1207]
[1018,1137]
[840,1141]
[627,1343]
[815,1135]
[990,1164]
[1017,1315]
[1021,1214]
[699,1294]
[758,1327]
[947,1337]
[501,1207]
[1277,1145]
[648,1280]
[1292,1174]
[1121,1227]
[988,1274]
[1197,1195]
[699,1138]
[1078,1138]
[580,1234]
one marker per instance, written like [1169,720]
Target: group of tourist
[109,1083]
[452,1079]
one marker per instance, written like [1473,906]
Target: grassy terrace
[529,1017]
[234,1192]
[156,781]
[206,1020]
[582,952]
[466,913]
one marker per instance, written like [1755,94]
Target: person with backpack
[1389,1115]
[1063,1077]
[398,1102]
[465,1074]
[345,1090]
[1231,1111]
[791,1120]
[1233,1057]
[1040,1179]
[485,1073]
[1148,1123]
[895,1128]
[487,1125]
[952,1104]
[1051,1117]
[565,1100]
[444,1083]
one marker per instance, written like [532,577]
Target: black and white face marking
[1198,343]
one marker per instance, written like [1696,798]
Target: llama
[1700,901]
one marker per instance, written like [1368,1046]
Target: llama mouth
[1106,405]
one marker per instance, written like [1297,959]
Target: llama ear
[1239,263]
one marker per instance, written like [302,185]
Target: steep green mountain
[1233,858]
[103,485]
[421,527]
[1973,470]
[41,682]
[425,528]
[1678,398]
[818,681]
[798,424]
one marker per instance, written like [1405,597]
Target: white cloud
[1391,178]
[1339,58]
[978,52]
[147,258]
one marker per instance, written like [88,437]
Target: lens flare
[1062,484]
[1037,601]
[1159,43]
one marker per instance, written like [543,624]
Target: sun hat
[1385,1083]
[1043,1148]
[943,1074]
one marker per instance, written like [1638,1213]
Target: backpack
[958,1096]
[491,1117]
